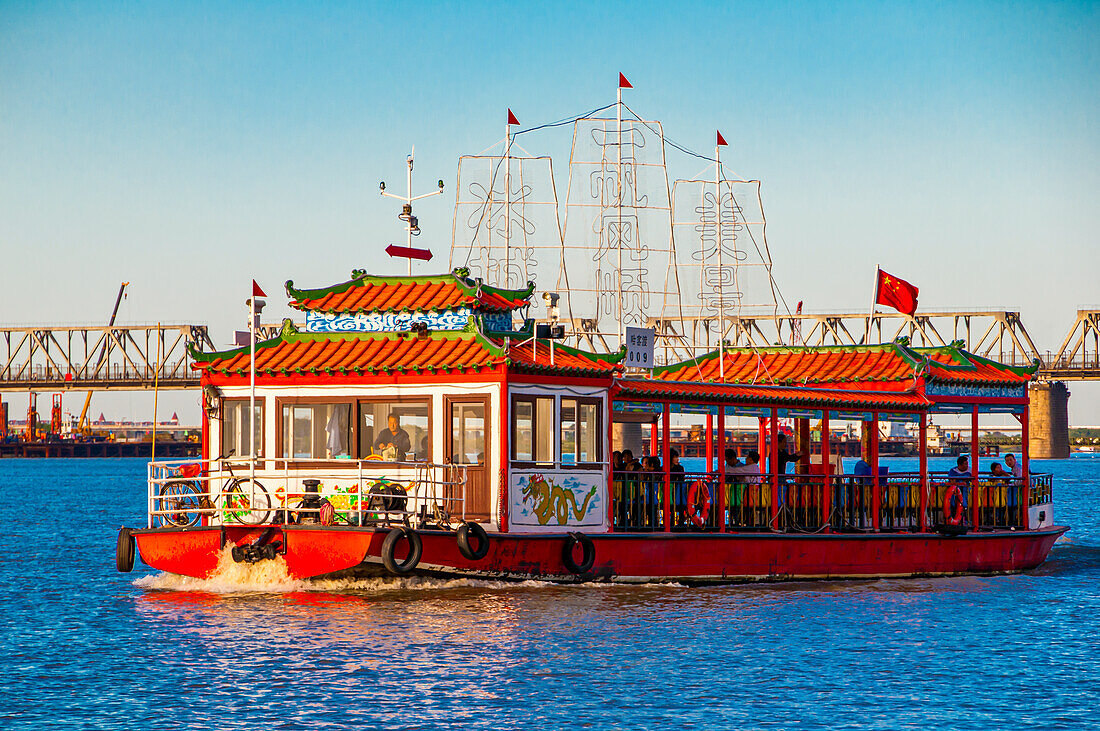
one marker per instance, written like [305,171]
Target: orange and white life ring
[698,505]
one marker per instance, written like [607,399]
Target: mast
[507,201]
[619,200]
[721,285]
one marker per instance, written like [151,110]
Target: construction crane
[82,427]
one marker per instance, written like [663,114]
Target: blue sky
[187,147]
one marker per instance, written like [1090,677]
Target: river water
[87,647]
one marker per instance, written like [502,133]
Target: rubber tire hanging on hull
[480,536]
[125,551]
[389,548]
[588,553]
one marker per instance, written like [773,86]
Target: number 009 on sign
[639,347]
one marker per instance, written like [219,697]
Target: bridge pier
[1049,420]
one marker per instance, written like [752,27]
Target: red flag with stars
[897,293]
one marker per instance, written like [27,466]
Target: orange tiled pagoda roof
[887,366]
[368,293]
[295,353]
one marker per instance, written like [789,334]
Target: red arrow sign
[409,253]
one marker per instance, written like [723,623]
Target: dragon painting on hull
[556,500]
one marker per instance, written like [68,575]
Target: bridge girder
[98,358]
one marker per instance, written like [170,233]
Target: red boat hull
[315,551]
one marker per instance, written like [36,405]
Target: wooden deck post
[876,494]
[666,428]
[721,468]
[974,514]
[826,471]
[774,460]
[922,445]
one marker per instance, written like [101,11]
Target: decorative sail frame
[506,218]
[619,266]
[725,263]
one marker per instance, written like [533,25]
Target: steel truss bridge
[126,357]
[135,357]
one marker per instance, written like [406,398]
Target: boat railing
[191,493]
[640,501]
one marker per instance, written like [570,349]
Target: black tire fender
[588,553]
[125,551]
[389,547]
[480,537]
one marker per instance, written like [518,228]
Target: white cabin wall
[270,394]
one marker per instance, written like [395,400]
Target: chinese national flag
[896,293]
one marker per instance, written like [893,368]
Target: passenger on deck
[785,456]
[617,461]
[675,468]
[393,438]
[751,468]
[1014,467]
[732,462]
[862,468]
[996,470]
[961,468]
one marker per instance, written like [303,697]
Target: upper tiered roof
[370,293]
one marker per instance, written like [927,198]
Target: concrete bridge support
[1049,420]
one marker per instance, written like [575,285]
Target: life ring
[953,516]
[698,509]
[389,548]
[124,551]
[588,553]
[464,532]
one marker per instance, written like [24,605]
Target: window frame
[597,402]
[296,401]
[533,398]
[428,401]
[262,423]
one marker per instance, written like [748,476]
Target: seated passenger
[862,468]
[961,468]
[997,471]
[675,467]
[1014,467]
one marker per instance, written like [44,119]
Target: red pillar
[654,450]
[666,433]
[774,451]
[1025,467]
[826,471]
[876,495]
[923,447]
[610,469]
[721,469]
[762,444]
[804,444]
[974,466]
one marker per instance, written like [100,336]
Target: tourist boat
[435,425]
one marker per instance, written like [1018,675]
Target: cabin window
[579,429]
[468,433]
[235,428]
[533,429]
[316,431]
[397,431]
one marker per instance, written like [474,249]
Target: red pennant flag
[721,140]
[512,118]
[623,83]
[256,291]
[897,293]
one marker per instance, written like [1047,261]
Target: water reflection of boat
[432,425]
